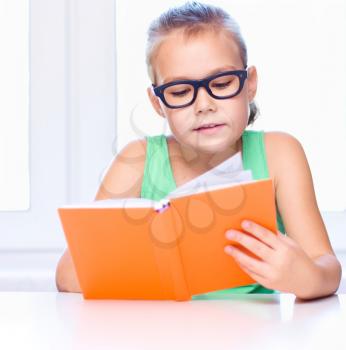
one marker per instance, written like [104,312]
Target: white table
[67,321]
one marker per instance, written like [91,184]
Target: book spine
[166,232]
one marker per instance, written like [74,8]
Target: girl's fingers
[258,278]
[255,246]
[263,234]
[255,266]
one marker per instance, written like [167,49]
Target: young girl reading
[197,61]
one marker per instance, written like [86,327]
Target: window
[14,106]
[299,49]
[71,123]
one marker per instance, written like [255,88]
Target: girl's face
[198,57]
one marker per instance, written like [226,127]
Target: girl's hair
[194,17]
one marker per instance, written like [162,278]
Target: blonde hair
[194,17]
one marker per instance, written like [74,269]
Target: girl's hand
[282,264]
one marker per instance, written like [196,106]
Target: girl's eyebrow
[212,72]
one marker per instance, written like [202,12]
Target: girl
[197,61]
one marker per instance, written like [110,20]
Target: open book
[136,248]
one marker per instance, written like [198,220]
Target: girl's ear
[155,101]
[252,83]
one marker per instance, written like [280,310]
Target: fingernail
[228,249]
[230,234]
[246,224]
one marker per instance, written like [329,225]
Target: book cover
[135,248]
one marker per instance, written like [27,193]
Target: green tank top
[158,181]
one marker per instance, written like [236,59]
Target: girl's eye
[180,93]
[178,90]
[222,85]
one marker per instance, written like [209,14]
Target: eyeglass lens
[181,94]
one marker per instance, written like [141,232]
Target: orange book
[137,248]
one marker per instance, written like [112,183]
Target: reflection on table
[67,321]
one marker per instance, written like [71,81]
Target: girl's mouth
[209,128]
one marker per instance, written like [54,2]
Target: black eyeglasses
[182,93]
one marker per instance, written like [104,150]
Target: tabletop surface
[67,321]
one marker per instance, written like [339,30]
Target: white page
[211,181]
[132,202]
[228,172]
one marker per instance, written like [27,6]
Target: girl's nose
[204,102]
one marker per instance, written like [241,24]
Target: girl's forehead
[194,57]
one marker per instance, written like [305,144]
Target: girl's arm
[303,221]
[122,180]
[65,276]
[303,262]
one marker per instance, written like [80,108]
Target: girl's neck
[202,162]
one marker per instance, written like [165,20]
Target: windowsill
[28,271]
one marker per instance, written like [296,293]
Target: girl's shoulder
[284,153]
[279,137]
[123,178]
[282,147]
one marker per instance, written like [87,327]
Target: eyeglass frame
[240,73]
